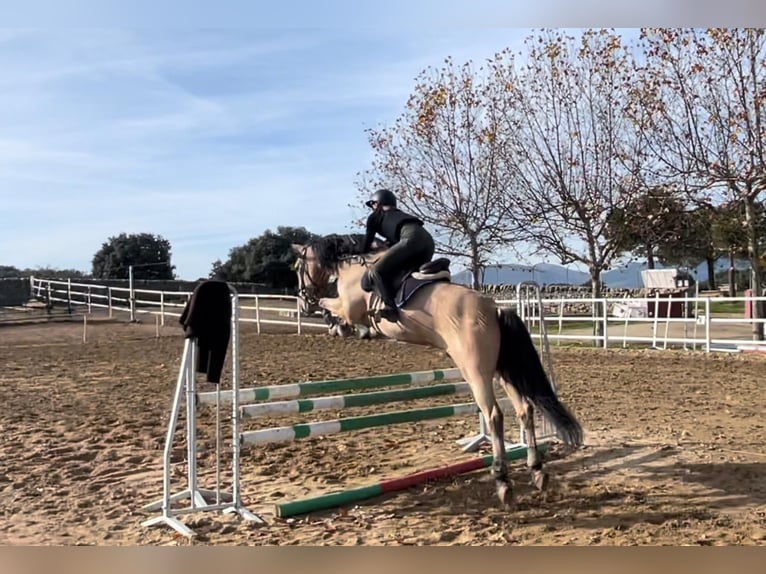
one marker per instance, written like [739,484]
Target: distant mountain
[512,273]
[623,277]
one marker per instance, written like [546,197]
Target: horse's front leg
[338,324]
[332,322]
[333,305]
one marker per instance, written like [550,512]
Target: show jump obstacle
[203,500]
[291,399]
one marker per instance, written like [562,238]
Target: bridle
[301,267]
[309,290]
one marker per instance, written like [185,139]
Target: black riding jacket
[386,223]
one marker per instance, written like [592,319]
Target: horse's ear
[297,247]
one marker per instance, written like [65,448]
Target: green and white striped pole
[295,390]
[306,430]
[339,402]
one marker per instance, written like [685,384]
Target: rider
[410,246]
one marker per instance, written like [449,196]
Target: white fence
[254,308]
[622,321]
[687,322]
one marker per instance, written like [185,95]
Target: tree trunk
[595,283]
[476,266]
[710,272]
[476,272]
[755,265]
[649,256]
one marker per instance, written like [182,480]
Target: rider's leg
[420,246]
[415,248]
[381,275]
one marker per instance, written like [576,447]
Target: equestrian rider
[410,246]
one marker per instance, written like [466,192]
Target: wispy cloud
[207,138]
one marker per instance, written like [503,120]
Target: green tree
[707,233]
[693,242]
[46,272]
[9,271]
[731,236]
[150,256]
[652,220]
[266,259]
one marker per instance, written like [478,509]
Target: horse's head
[320,262]
[313,278]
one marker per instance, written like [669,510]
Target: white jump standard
[200,499]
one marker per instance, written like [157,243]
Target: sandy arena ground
[675,448]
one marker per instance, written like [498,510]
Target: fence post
[605,318]
[90,305]
[685,315]
[69,294]
[594,322]
[109,300]
[561,319]
[257,314]
[656,316]
[707,324]
[298,313]
[162,308]
[131,295]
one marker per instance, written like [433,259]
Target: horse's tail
[520,365]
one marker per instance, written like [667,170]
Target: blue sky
[208,123]
[204,137]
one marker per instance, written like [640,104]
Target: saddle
[409,283]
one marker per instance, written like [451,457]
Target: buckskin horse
[482,339]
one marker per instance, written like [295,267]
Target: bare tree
[442,158]
[704,98]
[574,154]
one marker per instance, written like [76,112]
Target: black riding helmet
[382,197]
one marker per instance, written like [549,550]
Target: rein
[302,268]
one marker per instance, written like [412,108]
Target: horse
[483,340]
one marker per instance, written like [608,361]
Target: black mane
[331,249]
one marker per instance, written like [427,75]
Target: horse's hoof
[362,332]
[504,493]
[540,479]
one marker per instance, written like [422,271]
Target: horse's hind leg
[484,395]
[525,412]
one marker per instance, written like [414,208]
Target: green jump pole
[322,428]
[356,400]
[341,498]
[295,390]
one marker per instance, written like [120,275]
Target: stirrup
[388,313]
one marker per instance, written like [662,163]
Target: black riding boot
[389,313]
[389,310]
